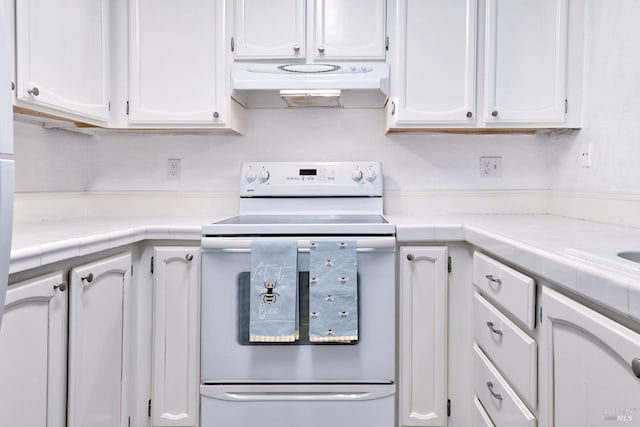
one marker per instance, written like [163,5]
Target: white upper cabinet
[314,30]
[176,63]
[525,61]
[435,66]
[485,64]
[353,29]
[62,62]
[269,29]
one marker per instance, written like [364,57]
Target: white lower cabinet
[423,336]
[98,333]
[176,337]
[33,353]
[589,366]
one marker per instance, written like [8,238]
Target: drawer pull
[493,279]
[493,329]
[635,366]
[493,393]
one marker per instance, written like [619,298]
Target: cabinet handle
[393,108]
[88,278]
[216,115]
[493,279]
[493,393]
[493,329]
[61,287]
[321,50]
[494,113]
[34,91]
[635,366]
[188,257]
[469,114]
[296,49]
[13,86]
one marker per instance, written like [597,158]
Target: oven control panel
[311,179]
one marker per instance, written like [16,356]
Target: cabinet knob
[410,257]
[321,49]
[469,114]
[216,115]
[34,91]
[296,48]
[493,393]
[189,257]
[635,366]
[61,287]
[494,113]
[88,278]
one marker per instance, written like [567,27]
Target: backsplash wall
[412,161]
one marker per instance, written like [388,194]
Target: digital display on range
[308,172]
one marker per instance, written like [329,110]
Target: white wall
[412,162]
[611,106]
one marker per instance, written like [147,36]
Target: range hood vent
[349,85]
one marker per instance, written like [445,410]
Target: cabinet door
[176,63]
[33,353]
[98,330]
[423,332]
[525,61]
[589,365]
[176,349]
[353,29]
[435,63]
[62,57]
[9,25]
[269,29]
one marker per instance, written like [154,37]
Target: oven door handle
[378,244]
[293,392]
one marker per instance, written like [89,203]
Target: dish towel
[273,301]
[333,292]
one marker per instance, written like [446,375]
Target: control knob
[356,175]
[250,176]
[264,176]
[371,175]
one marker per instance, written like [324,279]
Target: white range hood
[350,85]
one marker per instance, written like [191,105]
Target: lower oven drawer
[295,405]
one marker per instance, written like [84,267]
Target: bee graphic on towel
[333,293]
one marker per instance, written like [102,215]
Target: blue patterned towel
[273,302]
[333,292]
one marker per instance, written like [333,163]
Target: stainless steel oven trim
[298,392]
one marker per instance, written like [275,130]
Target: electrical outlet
[585,155]
[490,167]
[173,169]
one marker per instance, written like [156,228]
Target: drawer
[512,351]
[511,289]
[497,397]
[479,417]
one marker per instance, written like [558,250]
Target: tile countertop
[579,255]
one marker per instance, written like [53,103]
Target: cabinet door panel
[436,62]
[33,354]
[352,29]
[270,29]
[62,51]
[586,366]
[97,334]
[423,331]
[175,60]
[176,349]
[525,61]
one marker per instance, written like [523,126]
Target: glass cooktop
[300,225]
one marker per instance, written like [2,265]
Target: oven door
[229,357]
